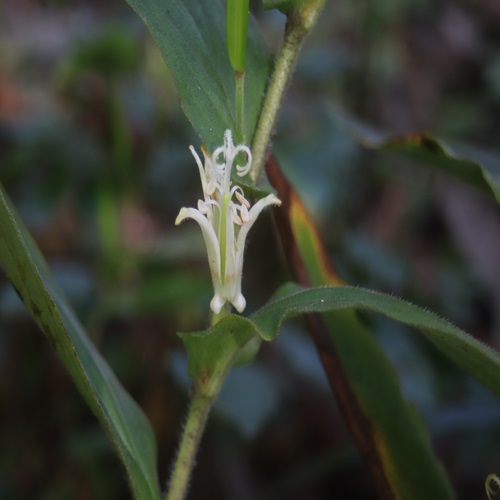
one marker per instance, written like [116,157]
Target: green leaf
[392,426]
[393,442]
[191,37]
[126,425]
[470,164]
[212,352]
[399,434]
[476,358]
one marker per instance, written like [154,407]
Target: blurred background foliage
[94,153]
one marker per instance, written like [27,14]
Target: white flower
[225,216]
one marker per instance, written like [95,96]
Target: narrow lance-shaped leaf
[470,164]
[222,342]
[190,36]
[393,443]
[476,358]
[413,446]
[123,420]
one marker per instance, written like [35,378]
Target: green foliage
[399,435]
[403,441]
[466,352]
[190,37]
[213,352]
[472,165]
[123,420]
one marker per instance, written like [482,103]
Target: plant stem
[205,393]
[223,312]
[300,21]
[184,464]
[240,96]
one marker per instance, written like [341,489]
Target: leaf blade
[481,361]
[366,402]
[109,401]
[390,434]
[191,37]
[478,168]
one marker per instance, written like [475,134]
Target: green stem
[206,390]
[240,95]
[184,464]
[223,312]
[300,22]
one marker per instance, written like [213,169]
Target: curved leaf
[470,164]
[392,441]
[404,457]
[191,37]
[126,425]
[388,416]
[387,419]
[478,168]
[476,358]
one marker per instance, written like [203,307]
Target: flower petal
[217,303]
[242,235]
[213,251]
[239,302]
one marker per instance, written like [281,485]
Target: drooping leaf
[389,418]
[394,426]
[392,441]
[191,37]
[474,357]
[468,163]
[126,425]
[399,437]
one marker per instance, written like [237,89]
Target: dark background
[94,153]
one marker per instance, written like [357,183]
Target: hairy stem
[300,22]
[193,430]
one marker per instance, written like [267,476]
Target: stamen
[241,197]
[236,218]
[211,186]
[202,207]
[244,213]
